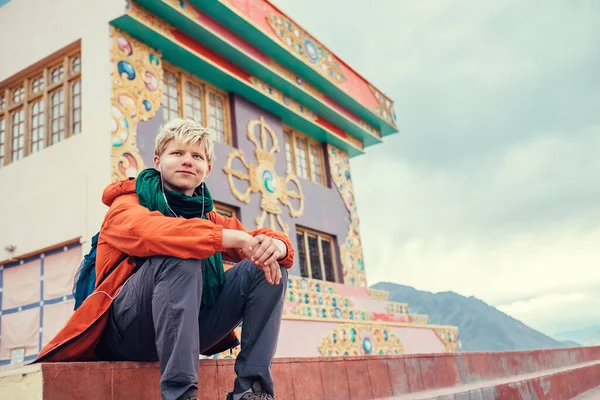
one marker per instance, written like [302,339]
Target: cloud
[491,187]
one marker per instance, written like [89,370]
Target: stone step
[559,373]
[557,383]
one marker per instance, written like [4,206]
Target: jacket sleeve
[137,231]
[235,255]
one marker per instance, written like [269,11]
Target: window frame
[182,77]
[293,136]
[321,236]
[26,79]
[225,207]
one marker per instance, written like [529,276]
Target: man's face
[182,166]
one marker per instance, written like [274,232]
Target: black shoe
[257,393]
[190,394]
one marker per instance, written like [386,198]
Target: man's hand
[265,251]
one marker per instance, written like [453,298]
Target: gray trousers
[157,316]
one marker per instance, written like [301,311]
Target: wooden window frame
[26,79]
[222,206]
[293,135]
[320,238]
[183,77]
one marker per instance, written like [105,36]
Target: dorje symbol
[263,178]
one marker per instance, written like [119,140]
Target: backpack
[84,281]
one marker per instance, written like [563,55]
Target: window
[316,254]
[225,210]
[42,109]
[186,96]
[304,156]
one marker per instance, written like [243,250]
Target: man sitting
[170,300]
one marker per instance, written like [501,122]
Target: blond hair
[188,132]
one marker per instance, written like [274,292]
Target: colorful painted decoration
[357,340]
[153,59]
[136,96]
[306,47]
[263,179]
[385,109]
[351,249]
[311,298]
[125,68]
[124,45]
[151,81]
[449,336]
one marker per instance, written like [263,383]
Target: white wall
[55,195]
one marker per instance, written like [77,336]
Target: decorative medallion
[385,109]
[263,179]
[360,340]
[306,47]
[448,336]
[136,96]
[351,249]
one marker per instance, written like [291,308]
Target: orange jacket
[130,228]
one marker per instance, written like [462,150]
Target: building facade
[82,95]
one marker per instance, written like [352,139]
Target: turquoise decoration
[125,68]
[117,142]
[147,105]
[352,335]
[361,265]
[269,181]
[318,287]
[385,335]
[337,313]
[181,3]
[153,59]
[347,174]
[367,346]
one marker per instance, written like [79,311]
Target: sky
[491,188]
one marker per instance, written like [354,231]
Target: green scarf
[150,194]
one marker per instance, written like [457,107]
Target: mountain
[589,336]
[481,327]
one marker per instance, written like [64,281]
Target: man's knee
[258,273]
